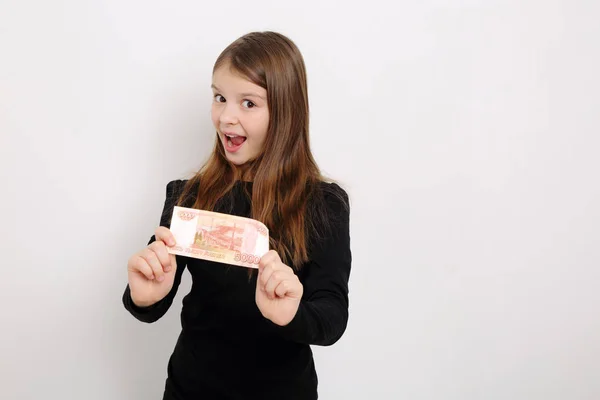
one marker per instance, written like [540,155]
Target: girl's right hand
[151,271]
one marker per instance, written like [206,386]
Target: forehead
[224,78]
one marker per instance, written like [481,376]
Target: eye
[219,98]
[248,104]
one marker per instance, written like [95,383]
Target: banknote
[223,238]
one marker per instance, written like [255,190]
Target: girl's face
[240,115]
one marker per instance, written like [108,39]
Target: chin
[236,159]
[237,162]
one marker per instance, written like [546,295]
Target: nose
[228,115]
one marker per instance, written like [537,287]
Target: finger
[164,234]
[268,258]
[140,265]
[283,288]
[290,287]
[162,254]
[153,262]
[275,255]
[276,278]
[265,274]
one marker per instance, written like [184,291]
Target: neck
[244,172]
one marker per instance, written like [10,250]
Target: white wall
[466,133]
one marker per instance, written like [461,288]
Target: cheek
[214,115]
[262,126]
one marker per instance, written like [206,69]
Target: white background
[466,133]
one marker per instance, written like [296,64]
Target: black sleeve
[322,316]
[155,311]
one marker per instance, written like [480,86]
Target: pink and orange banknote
[218,237]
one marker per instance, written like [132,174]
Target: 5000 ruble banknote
[218,237]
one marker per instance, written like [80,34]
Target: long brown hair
[286,193]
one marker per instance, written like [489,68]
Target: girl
[246,334]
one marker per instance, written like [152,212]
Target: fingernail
[151,277]
[161,278]
[167,268]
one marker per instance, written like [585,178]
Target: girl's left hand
[278,290]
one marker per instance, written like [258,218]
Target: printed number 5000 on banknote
[218,237]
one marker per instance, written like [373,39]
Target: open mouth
[233,142]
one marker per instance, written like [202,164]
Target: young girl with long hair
[246,333]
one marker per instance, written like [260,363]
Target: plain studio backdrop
[466,133]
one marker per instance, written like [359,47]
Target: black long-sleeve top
[227,349]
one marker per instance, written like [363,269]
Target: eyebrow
[247,94]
